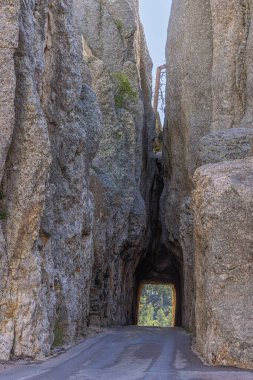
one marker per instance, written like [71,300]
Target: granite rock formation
[118,52]
[88,212]
[72,168]
[209,121]
[223,219]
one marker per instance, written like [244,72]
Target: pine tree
[156,306]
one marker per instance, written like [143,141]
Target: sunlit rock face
[25,161]
[223,218]
[50,129]
[188,118]
[114,44]
[209,120]
[72,167]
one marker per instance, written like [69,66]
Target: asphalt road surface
[126,353]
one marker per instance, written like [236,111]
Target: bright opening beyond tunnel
[157,305]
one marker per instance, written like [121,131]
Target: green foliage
[161,318]
[58,334]
[124,91]
[3,215]
[117,134]
[119,25]
[156,148]
[156,306]
[1,195]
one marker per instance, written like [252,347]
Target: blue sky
[155,17]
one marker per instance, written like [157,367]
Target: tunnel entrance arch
[161,268]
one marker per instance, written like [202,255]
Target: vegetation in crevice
[3,213]
[123,89]
[119,25]
[58,334]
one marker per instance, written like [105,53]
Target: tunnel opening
[156,305]
[160,270]
[161,261]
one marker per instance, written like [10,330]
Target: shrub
[58,334]
[1,195]
[3,215]
[124,91]
[119,25]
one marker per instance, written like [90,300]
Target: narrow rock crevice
[158,263]
[88,211]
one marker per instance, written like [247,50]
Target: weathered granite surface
[72,166]
[87,210]
[188,118]
[233,143]
[208,120]
[46,206]
[120,211]
[22,318]
[223,223]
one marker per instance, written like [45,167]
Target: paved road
[127,353]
